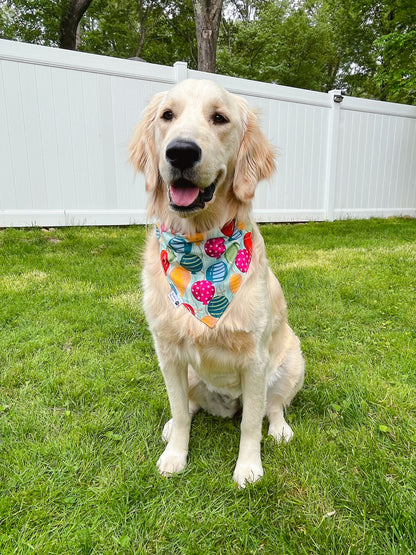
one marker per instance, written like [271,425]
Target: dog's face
[198,146]
[198,129]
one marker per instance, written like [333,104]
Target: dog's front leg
[249,467]
[173,459]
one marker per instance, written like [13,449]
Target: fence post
[332,152]
[181,71]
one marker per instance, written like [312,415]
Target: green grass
[82,404]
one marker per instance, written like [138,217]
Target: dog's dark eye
[219,118]
[167,115]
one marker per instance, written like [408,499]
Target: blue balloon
[236,235]
[191,262]
[217,306]
[217,272]
[180,245]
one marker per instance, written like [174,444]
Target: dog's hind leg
[278,427]
[286,382]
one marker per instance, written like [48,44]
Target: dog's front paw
[246,473]
[281,432]
[171,461]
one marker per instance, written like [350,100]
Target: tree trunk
[207,21]
[72,13]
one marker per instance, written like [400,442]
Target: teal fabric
[206,271]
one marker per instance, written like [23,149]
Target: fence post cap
[181,71]
[337,95]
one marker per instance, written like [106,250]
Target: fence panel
[376,171]
[66,119]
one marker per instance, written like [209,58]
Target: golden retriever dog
[216,312]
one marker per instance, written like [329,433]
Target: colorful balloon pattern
[217,272]
[248,242]
[234,283]
[203,291]
[210,321]
[231,253]
[206,274]
[228,229]
[189,307]
[217,306]
[181,279]
[236,235]
[164,260]
[191,262]
[195,238]
[242,260]
[180,244]
[215,247]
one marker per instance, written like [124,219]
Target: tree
[281,45]
[365,47]
[33,21]
[396,68]
[51,23]
[159,32]
[207,21]
[72,12]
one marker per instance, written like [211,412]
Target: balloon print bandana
[206,272]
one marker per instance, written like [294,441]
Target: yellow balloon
[235,282]
[196,238]
[209,321]
[180,278]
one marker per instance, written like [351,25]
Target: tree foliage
[281,45]
[33,21]
[365,47]
[159,32]
[396,72]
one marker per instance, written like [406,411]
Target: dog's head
[202,153]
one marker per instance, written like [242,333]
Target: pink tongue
[183,196]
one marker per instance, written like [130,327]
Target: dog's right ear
[142,148]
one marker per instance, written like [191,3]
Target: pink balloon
[203,291]
[242,260]
[215,247]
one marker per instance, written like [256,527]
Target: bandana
[206,271]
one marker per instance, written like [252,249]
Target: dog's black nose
[183,154]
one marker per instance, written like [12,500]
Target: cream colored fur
[252,356]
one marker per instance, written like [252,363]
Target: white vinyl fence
[66,119]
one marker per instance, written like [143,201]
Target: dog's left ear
[142,148]
[255,159]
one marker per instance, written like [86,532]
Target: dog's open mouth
[185,196]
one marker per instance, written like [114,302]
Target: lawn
[82,403]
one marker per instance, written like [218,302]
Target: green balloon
[231,253]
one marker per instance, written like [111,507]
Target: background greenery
[366,47]
[82,403]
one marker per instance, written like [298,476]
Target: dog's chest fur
[217,354]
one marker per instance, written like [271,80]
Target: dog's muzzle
[184,194]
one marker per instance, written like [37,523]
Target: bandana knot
[206,271]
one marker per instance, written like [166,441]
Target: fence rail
[66,119]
